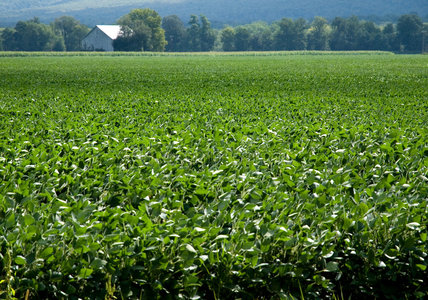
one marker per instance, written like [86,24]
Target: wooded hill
[220,12]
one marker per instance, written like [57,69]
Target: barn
[101,38]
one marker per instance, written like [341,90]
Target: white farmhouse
[101,38]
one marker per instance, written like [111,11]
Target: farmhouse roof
[112,31]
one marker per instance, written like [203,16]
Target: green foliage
[409,28]
[242,38]
[175,33]
[257,36]
[354,34]
[391,42]
[207,35]
[193,34]
[228,38]
[200,35]
[71,31]
[348,34]
[290,35]
[29,36]
[213,176]
[319,34]
[1,39]
[223,11]
[141,31]
[64,33]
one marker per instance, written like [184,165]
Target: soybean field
[214,176]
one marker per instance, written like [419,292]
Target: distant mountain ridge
[219,12]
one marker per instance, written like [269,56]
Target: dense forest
[219,12]
[144,29]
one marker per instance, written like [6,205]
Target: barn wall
[97,40]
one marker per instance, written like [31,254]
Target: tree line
[145,30]
[63,34]
[287,34]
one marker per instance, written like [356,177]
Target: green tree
[424,37]
[130,40]
[1,39]
[71,31]
[242,39]
[228,38]
[141,30]
[409,29]
[283,36]
[353,34]
[300,28]
[193,34]
[290,35]
[8,39]
[391,40]
[319,34]
[175,33]
[207,36]
[200,35]
[58,44]
[370,37]
[345,33]
[30,36]
[261,38]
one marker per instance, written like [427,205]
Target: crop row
[192,54]
[213,177]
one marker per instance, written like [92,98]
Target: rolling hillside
[218,11]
